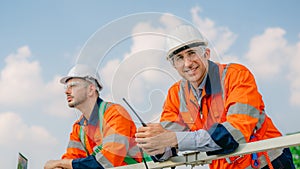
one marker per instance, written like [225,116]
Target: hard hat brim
[184,46]
[66,78]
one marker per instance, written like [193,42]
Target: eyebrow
[195,44]
[188,50]
[191,50]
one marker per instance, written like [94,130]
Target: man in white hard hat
[103,136]
[213,109]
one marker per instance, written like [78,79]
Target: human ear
[91,89]
[207,53]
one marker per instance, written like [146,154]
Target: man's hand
[153,139]
[59,164]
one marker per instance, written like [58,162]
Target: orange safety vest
[231,98]
[111,141]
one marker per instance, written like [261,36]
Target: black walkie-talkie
[144,124]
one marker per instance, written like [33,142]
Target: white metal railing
[200,158]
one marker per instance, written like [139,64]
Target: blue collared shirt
[198,94]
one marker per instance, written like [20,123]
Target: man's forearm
[55,164]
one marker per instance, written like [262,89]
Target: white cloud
[24,91]
[268,53]
[230,59]
[144,32]
[270,56]
[16,132]
[169,21]
[294,74]
[108,71]
[221,37]
[54,100]
[21,84]
[143,70]
[17,136]
[20,80]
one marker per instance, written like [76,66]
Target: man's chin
[191,78]
[71,105]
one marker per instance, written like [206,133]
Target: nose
[68,90]
[187,61]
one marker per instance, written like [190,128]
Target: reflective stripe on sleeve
[240,108]
[132,152]
[236,134]
[261,120]
[103,160]
[76,144]
[246,109]
[113,138]
[116,138]
[173,126]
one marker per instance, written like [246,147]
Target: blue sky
[40,41]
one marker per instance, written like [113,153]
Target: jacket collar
[94,118]
[213,82]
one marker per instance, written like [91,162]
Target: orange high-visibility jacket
[111,144]
[232,111]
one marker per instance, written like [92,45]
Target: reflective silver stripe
[223,79]
[240,108]
[76,144]
[116,138]
[273,154]
[236,134]
[173,126]
[103,160]
[181,95]
[132,152]
[261,120]
[102,109]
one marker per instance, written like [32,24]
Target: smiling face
[192,64]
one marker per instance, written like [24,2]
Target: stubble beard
[75,103]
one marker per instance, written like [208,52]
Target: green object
[147,157]
[22,162]
[101,111]
[296,155]
[130,160]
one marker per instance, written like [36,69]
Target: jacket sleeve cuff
[223,138]
[169,152]
[89,162]
[199,140]
[185,141]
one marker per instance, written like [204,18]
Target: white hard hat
[183,37]
[85,72]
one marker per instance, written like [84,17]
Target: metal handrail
[200,158]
